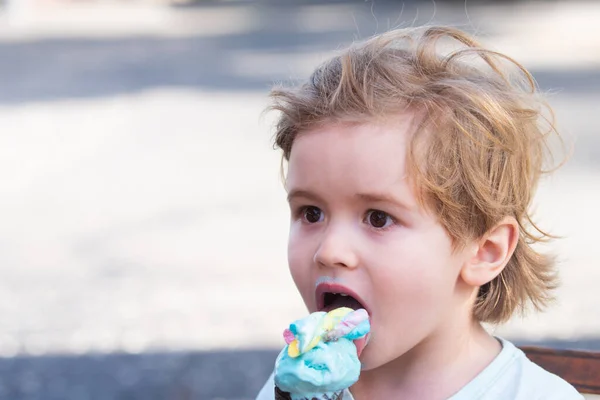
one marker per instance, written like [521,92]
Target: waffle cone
[281,395]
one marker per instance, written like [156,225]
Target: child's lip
[361,344]
[332,287]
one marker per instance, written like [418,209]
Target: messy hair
[478,151]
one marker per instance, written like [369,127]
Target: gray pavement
[149,376]
[144,225]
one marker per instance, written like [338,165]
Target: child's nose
[336,250]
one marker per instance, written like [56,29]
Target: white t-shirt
[510,376]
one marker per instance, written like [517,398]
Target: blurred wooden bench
[580,368]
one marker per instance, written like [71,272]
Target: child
[410,173]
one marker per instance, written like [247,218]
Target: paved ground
[143,220]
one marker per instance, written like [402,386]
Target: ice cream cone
[281,395]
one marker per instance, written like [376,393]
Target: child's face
[355,218]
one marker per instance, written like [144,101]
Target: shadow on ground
[223,375]
[80,68]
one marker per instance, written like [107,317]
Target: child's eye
[379,219]
[312,214]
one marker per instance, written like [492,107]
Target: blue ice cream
[320,356]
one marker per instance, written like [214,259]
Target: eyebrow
[303,193]
[383,198]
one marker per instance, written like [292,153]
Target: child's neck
[434,370]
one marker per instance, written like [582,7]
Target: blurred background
[143,224]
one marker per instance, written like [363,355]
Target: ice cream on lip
[320,358]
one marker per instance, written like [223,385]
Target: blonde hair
[477,154]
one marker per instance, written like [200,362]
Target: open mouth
[331,301]
[331,296]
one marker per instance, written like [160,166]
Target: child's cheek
[299,261]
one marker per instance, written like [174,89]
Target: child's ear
[491,253]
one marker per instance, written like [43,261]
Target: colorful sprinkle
[288,336]
[293,350]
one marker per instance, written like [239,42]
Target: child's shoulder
[513,376]
[268,390]
[537,383]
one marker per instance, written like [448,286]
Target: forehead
[351,157]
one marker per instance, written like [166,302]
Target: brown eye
[312,214]
[379,219]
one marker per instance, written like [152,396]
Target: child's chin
[365,353]
[367,363]
[370,359]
